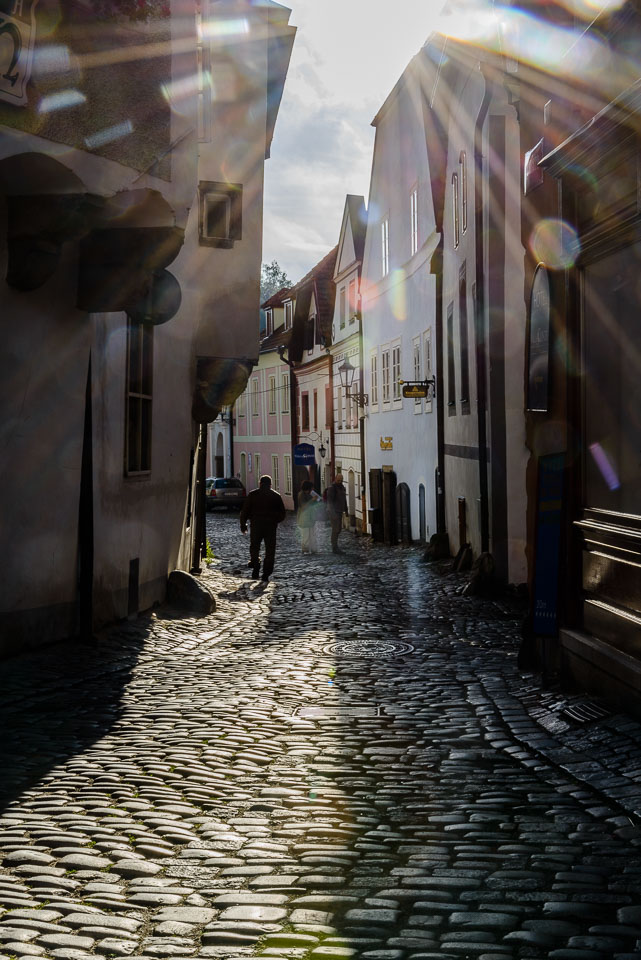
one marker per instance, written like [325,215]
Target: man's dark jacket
[336,499]
[263,506]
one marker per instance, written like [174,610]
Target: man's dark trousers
[262,530]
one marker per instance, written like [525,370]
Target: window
[451,385]
[242,403]
[374,378]
[463,166]
[257,472]
[385,246]
[140,358]
[348,412]
[352,301]
[385,374]
[339,408]
[329,406]
[275,476]
[427,363]
[414,221]
[315,427]
[243,469]
[288,474]
[416,353]
[396,371]
[285,393]
[304,420]
[272,395]
[269,319]
[455,220]
[463,339]
[204,83]
[220,213]
[255,397]
[342,308]
[289,313]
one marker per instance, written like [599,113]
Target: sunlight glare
[61,100]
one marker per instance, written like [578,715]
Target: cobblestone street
[344,762]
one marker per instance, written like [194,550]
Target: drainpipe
[361,424]
[479,318]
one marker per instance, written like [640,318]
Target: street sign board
[17,35]
[304,455]
[415,391]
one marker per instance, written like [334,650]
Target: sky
[347,56]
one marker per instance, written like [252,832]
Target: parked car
[224,492]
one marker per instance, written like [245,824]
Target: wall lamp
[346,372]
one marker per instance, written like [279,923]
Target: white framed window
[284,389]
[385,375]
[254,396]
[242,403]
[342,294]
[272,394]
[289,313]
[416,354]
[275,476]
[455,209]
[396,371]
[385,246]
[374,379]
[463,165]
[353,310]
[288,474]
[257,466]
[220,213]
[269,319]
[414,221]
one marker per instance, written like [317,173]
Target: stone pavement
[345,762]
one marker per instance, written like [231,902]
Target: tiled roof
[277,299]
[319,281]
[279,338]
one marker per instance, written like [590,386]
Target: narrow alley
[345,762]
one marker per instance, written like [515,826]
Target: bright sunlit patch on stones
[61,100]
[602,461]
[109,134]
[555,243]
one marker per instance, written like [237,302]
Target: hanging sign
[539,342]
[304,455]
[17,36]
[415,391]
[386,443]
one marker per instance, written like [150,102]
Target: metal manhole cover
[369,649]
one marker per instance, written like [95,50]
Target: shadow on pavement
[56,702]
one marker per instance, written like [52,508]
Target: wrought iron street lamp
[346,372]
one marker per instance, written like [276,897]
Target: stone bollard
[185,592]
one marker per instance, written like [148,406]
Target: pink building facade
[263,412]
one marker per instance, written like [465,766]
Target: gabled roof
[319,282]
[279,338]
[351,241]
[278,299]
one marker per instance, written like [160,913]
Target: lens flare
[61,100]
[602,461]
[109,134]
[216,29]
[52,59]
[555,243]
[397,295]
[185,86]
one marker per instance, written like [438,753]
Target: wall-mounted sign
[17,36]
[415,391]
[304,455]
[539,342]
[386,443]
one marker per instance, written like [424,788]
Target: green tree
[272,279]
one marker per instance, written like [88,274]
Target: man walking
[264,508]
[336,507]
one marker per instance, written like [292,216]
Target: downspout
[200,527]
[361,424]
[479,315]
[436,267]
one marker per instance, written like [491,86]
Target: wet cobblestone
[345,762]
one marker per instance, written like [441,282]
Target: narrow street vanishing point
[345,762]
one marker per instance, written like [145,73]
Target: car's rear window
[228,482]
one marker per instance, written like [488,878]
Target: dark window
[305,412]
[220,213]
[451,383]
[464,340]
[138,398]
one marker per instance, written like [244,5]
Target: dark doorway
[85,523]
[219,459]
[422,521]
[376,504]
[403,524]
[389,506]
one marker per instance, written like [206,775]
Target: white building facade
[399,319]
